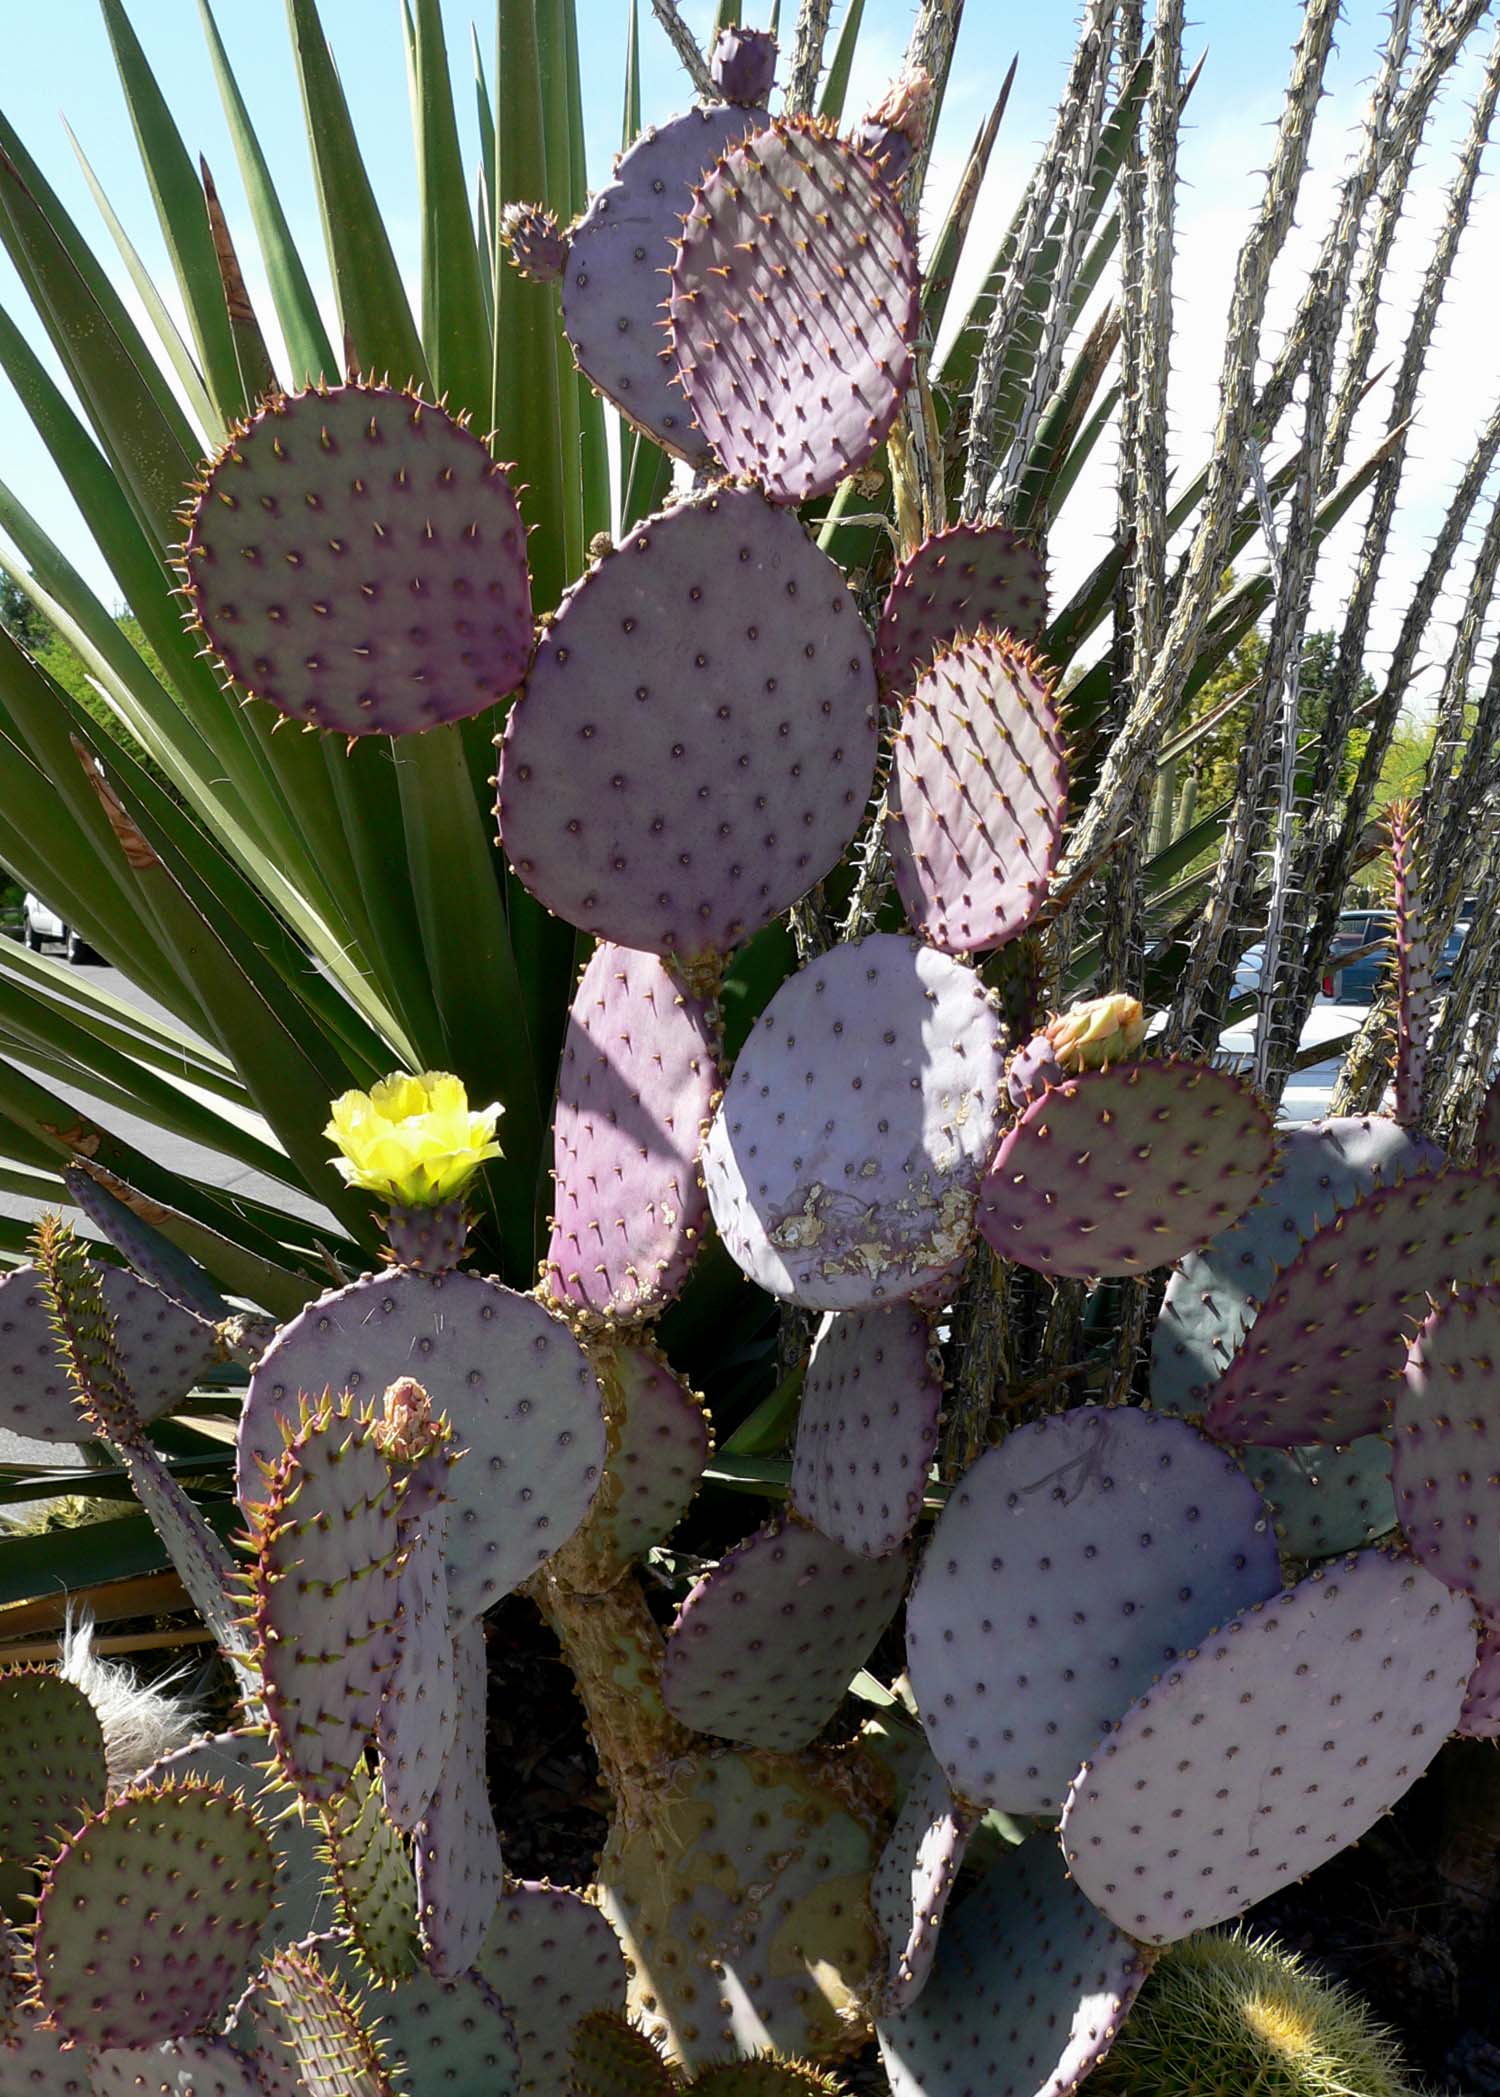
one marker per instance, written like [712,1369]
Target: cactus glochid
[1099,1631]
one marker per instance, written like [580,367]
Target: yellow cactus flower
[1098,1031]
[414,1141]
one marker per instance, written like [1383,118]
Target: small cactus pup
[979,794]
[1027,1993]
[416,1144]
[536,245]
[897,127]
[742,65]
[355,557]
[1088,1036]
[1445,1431]
[794,237]
[1225,2014]
[1273,1746]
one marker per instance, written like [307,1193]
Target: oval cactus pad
[149,1916]
[1445,1461]
[867,1427]
[457,1849]
[969,577]
[358,559]
[794,306]
[163,1351]
[1213,1295]
[52,1769]
[914,1879]
[614,284]
[1029,1988]
[1124,1169]
[1327,1354]
[1070,1565]
[766,1645]
[843,1161]
[515,1385]
[1274,1746]
[635,1089]
[979,794]
[553,1960]
[696,742]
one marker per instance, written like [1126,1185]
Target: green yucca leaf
[836,82]
[630,121]
[455,329]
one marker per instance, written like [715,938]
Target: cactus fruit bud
[537,246]
[743,65]
[1098,1031]
[897,126]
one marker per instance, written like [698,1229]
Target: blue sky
[57,62]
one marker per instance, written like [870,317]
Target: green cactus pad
[176,2068]
[1029,1988]
[979,794]
[969,577]
[611,2057]
[373,1874]
[741,1895]
[914,1880]
[357,558]
[33,2063]
[163,1351]
[512,1381]
[149,1917]
[552,1959]
[445,2036]
[766,1645]
[794,243]
[1446,1445]
[323,1596]
[659,1443]
[696,742]
[311,2039]
[867,1427]
[1326,1356]
[1272,1747]
[457,1848]
[764,2077]
[1120,1170]
[52,1772]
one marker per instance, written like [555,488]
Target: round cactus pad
[914,1879]
[614,288]
[176,2068]
[457,1848]
[696,742]
[867,1428]
[1274,1746]
[979,794]
[1124,1169]
[766,1645]
[553,1960]
[743,1906]
[1213,1295]
[358,559]
[611,2057]
[659,1441]
[843,1160]
[52,1772]
[1327,1354]
[1327,1499]
[150,1915]
[1480,1717]
[1029,1988]
[794,306]
[1070,1565]
[765,2077]
[518,1392]
[1445,1461]
[163,1350]
[969,577]
[446,2035]
[634,1090]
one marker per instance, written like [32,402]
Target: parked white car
[40,923]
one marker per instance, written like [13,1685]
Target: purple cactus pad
[697,738]
[1031,1070]
[867,1428]
[1121,1170]
[1070,1565]
[843,1161]
[1445,1432]
[538,249]
[1480,1717]
[766,1645]
[1030,1987]
[1274,1746]
[969,577]
[914,1879]
[176,2068]
[357,559]
[1326,1356]
[635,1088]
[414,1725]
[979,795]
[742,65]
[163,1350]
[456,1848]
[614,286]
[552,1959]
[794,306]
[512,1380]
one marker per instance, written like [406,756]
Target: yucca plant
[812,978]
